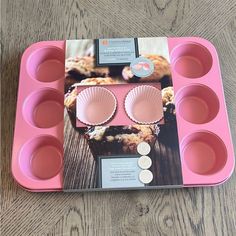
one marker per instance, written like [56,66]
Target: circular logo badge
[142,67]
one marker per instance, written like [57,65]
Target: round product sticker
[146,176]
[144,162]
[143,148]
[142,67]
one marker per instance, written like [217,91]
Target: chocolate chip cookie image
[80,68]
[168,104]
[108,140]
[161,70]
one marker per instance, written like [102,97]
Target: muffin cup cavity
[143,105]
[204,153]
[191,60]
[197,104]
[177,112]
[95,105]
[46,64]
[41,157]
[44,108]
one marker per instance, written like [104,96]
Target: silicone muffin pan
[206,149]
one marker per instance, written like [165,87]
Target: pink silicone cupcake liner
[95,105]
[120,117]
[206,149]
[143,105]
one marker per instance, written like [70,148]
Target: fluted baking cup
[143,105]
[95,105]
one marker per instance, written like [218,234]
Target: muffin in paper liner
[118,140]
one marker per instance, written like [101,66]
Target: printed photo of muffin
[168,104]
[80,68]
[70,96]
[84,67]
[98,81]
[108,140]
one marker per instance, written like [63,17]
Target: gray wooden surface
[199,211]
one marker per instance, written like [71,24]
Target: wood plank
[199,211]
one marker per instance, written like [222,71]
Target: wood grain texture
[81,168]
[79,165]
[193,211]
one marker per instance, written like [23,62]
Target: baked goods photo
[84,67]
[168,104]
[80,68]
[108,140]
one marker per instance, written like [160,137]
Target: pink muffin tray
[206,149]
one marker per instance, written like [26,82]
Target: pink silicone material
[46,64]
[206,148]
[191,60]
[44,108]
[41,157]
[120,117]
[143,104]
[37,154]
[204,153]
[95,105]
[197,104]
